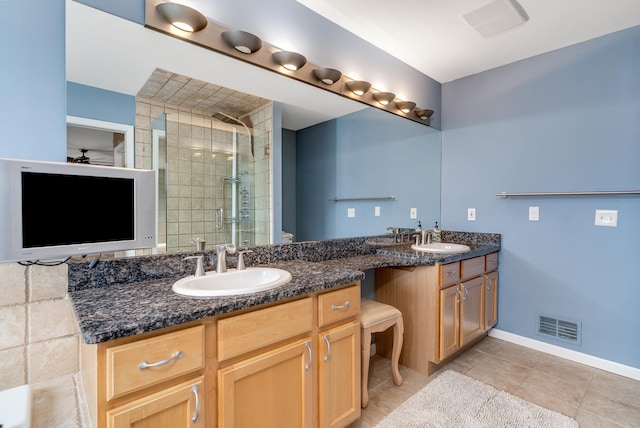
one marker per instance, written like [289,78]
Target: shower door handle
[219,218]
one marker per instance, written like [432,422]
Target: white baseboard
[578,357]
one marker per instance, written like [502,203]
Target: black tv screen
[59,209]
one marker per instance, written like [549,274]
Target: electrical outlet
[471,214]
[607,218]
[534,213]
[351,212]
[413,213]
[376,211]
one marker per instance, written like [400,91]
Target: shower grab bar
[373,198]
[596,193]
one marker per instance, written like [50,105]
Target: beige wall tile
[14,323]
[50,319]
[54,403]
[12,283]
[53,358]
[47,282]
[12,368]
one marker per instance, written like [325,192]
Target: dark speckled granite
[123,297]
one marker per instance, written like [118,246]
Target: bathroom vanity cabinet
[316,361]
[446,308]
[292,364]
[147,381]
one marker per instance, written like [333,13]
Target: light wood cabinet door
[339,375]
[449,321]
[180,406]
[471,310]
[271,390]
[490,300]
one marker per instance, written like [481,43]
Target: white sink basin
[232,282]
[441,248]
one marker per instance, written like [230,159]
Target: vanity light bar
[250,49]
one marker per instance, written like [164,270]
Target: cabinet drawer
[492,262]
[254,330]
[338,305]
[173,354]
[472,267]
[450,273]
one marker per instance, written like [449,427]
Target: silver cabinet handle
[452,272]
[345,306]
[490,284]
[466,292]
[308,365]
[196,417]
[459,296]
[326,340]
[144,365]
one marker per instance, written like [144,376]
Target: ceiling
[430,35]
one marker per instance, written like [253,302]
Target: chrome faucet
[241,265]
[393,230]
[426,236]
[199,269]
[221,255]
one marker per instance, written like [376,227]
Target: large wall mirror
[219,178]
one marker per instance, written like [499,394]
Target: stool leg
[365,345]
[398,331]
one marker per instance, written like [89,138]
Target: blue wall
[369,153]
[289,181]
[564,121]
[316,172]
[32,79]
[99,104]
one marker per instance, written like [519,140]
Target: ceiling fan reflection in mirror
[84,159]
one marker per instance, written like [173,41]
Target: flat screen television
[55,210]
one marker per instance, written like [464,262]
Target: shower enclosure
[213,181]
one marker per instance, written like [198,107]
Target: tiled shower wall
[194,178]
[39,343]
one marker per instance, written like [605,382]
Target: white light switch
[376,211]
[471,214]
[607,218]
[534,213]
[351,212]
[413,213]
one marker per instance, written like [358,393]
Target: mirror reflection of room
[210,147]
[95,146]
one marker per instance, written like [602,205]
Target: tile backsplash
[39,343]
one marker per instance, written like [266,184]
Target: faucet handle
[199,269]
[231,248]
[241,265]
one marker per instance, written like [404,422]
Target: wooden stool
[376,317]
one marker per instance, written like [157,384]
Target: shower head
[223,117]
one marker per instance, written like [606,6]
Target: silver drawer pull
[196,418]
[452,272]
[345,306]
[144,365]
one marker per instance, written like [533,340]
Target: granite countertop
[112,311]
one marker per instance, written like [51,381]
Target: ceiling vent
[495,16]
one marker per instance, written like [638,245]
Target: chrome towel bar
[373,198]
[597,193]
